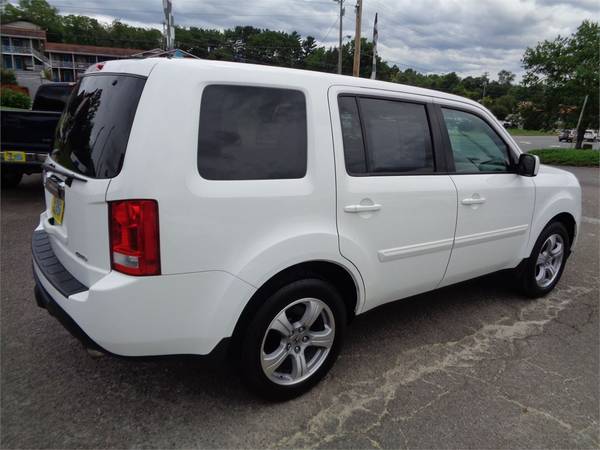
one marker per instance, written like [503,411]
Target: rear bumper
[44,300]
[32,164]
[185,314]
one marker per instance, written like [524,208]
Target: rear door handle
[362,208]
[473,201]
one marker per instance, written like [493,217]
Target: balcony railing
[16,49]
[62,64]
[24,50]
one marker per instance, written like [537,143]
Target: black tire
[11,178]
[251,346]
[526,272]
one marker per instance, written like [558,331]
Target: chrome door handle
[362,208]
[473,201]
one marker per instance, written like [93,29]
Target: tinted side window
[475,145]
[354,149]
[252,133]
[397,136]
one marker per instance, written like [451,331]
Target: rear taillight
[134,240]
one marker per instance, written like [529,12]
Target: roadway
[470,366]
[534,142]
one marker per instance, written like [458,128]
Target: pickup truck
[27,135]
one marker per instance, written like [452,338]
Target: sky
[469,37]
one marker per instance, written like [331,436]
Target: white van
[197,206]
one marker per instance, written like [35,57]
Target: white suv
[197,206]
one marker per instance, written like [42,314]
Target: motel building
[26,50]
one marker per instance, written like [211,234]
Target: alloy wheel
[297,341]
[549,260]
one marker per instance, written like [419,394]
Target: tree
[566,69]
[83,30]
[38,12]
[506,77]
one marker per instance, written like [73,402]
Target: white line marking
[590,220]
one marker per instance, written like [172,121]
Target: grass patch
[9,108]
[568,157]
[522,132]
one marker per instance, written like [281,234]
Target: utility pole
[169,29]
[375,37]
[579,120]
[356,66]
[341,2]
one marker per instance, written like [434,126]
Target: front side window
[252,133]
[397,138]
[475,145]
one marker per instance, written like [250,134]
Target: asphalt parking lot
[469,366]
[534,142]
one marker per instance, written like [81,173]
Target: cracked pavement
[469,366]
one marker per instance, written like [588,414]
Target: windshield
[93,131]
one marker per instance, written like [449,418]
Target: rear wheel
[11,178]
[543,269]
[294,339]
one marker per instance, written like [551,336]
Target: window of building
[252,133]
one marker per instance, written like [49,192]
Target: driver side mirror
[528,165]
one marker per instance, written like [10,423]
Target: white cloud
[466,36]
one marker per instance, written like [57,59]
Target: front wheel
[293,340]
[543,269]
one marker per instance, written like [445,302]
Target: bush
[14,99]
[568,157]
[7,77]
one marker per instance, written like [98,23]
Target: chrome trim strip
[487,236]
[407,251]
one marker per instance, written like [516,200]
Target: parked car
[256,210]
[590,135]
[27,135]
[567,135]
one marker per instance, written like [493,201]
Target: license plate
[11,156]
[58,210]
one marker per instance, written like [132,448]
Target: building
[68,61]
[26,50]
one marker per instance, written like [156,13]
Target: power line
[160,13]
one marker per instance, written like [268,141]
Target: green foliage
[568,157]
[37,11]
[560,73]
[14,99]
[7,76]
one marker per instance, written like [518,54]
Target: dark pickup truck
[27,135]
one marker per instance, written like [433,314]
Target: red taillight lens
[134,240]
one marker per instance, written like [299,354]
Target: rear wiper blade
[48,165]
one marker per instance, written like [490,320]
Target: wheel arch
[341,277]
[565,218]
[568,221]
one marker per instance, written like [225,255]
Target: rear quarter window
[252,133]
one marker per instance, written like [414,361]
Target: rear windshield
[92,134]
[52,97]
